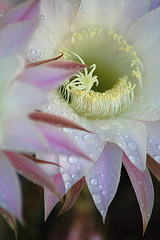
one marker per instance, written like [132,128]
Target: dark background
[83,222]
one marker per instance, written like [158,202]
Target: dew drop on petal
[139,183]
[34,52]
[42,17]
[97,198]
[88,138]
[148,214]
[94,182]
[158,147]
[132,145]
[75,176]
[104,193]
[67,185]
[73,160]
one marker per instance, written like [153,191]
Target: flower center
[109,85]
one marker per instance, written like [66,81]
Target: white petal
[146,105]
[55,19]
[103,178]
[144,35]
[128,134]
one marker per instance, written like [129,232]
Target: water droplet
[139,183]
[158,147]
[34,52]
[104,193]
[42,17]
[75,176]
[35,40]
[148,214]
[67,185]
[94,182]
[132,159]
[73,160]
[102,175]
[88,138]
[132,145]
[97,198]
[79,168]
[157,158]
[94,144]
[100,187]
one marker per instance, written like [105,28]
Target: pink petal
[26,11]
[10,220]
[50,75]
[143,188]
[10,189]
[20,134]
[14,37]
[154,167]
[31,171]
[103,178]
[60,141]
[21,98]
[50,199]
[72,195]
[55,120]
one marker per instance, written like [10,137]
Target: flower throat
[106,88]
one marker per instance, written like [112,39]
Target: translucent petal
[103,178]
[19,33]
[143,188]
[10,189]
[22,12]
[128,134]
[21,98]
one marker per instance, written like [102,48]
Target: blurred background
[83,222]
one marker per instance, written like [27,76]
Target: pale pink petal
[51,200]
[55,120]
[153,139]
[128,134]
[59,141]
[72,196]
[31,171]
[16,65]
[21,98]
[20,134]
[14,37]
[25,11]
[10,220]
[10,189]
[103,178]
[143,188]
[154,167]
[51,75]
